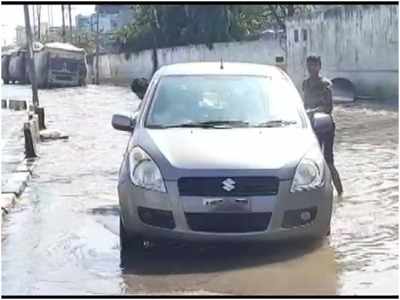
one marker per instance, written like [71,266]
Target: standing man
[318,98]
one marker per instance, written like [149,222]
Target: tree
[169,25]
[63,23]
[174,25]
[34,21]
[281,12]
[87,41]
[38,10]
[97,48]
[70,22]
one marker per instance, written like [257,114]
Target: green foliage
[171,25]
[86,40]
[140,34]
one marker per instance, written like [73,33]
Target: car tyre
[328,232]
[129,243]
[131,247]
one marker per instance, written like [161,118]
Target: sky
[13,15]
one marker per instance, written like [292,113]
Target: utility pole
[32,73]
[35,97]
[97,48]
[70,22]
[51,15]
[63,23]
[48,22]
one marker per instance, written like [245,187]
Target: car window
[251,99]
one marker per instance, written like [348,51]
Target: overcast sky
[13,15]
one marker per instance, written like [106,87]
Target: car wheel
[129,243]
[328,232]
[131,247]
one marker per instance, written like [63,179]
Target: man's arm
[327,102]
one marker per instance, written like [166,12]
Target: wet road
[62,238]
[12,140]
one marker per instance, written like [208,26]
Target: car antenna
[222,64]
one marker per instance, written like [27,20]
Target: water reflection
[274,268]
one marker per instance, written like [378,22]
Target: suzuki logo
[228,184]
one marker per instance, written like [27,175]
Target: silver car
[222,152]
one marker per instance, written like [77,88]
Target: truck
[5,62]
[60,65]
[56,65]
[13,66]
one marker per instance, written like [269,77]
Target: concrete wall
[117,69]
[260,51]
[356,42]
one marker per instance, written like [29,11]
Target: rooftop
[64,46]
[214,68]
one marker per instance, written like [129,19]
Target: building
[107,22]
[358,45]
[83,22]
[20,39]
[20,33]
[54,34]
[44,28]
[111,18]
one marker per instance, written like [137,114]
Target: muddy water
[62,237]
[365,222]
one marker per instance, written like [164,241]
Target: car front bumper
[132,198]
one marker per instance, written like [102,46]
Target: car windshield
[232,101]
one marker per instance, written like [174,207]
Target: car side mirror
[322,122]
[123,123]
[139,86]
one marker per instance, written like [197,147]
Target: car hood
[229,149]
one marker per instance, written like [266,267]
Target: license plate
[227,204]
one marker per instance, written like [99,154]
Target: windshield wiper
[213,123]
[275,123]
[206,124]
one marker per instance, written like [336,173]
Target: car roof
[214,68]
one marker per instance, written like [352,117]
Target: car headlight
[144,172]
[309,173]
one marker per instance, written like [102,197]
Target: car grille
[67,64]
[64,78]
[213,187]
[228,222]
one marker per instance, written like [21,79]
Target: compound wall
[356,42]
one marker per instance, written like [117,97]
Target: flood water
[62,237]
